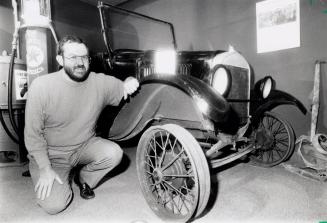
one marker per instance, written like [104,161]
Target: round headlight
[266,87]
[221,80]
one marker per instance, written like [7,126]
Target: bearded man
[61,113]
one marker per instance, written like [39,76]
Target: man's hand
[131,84]
[43,186]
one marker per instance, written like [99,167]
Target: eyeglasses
[84,58]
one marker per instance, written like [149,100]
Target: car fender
[199,91]
[276,98]
[171,97]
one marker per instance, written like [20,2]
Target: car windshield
[127,30]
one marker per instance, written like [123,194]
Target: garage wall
[211,24]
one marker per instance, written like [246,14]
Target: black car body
[202,113]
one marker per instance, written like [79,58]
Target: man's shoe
[86,192]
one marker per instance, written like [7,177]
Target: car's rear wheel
[274,139]
[167,165]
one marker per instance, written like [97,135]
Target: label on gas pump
[36,53]
[20,84]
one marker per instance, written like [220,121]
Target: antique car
[195,111]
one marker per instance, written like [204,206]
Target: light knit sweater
[61,112]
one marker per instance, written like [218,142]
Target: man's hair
[68,39]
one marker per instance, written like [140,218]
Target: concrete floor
[240,193]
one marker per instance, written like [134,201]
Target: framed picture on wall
[278,25]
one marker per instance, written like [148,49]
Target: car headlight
[221,80]
[264,86]
[165,61]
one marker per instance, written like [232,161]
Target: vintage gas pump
[36,23]
[36,16]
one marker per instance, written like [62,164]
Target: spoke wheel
[167,172]
[274,139]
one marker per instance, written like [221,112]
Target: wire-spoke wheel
[167,172]
[274,139]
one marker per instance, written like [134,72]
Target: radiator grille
[240,90]
[182,69]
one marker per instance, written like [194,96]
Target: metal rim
[202,167]
[167,174]
[274,138]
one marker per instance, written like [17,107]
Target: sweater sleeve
[34,125]
[114,90]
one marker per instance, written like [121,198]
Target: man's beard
[70,72]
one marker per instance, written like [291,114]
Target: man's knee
[52,208]
[55,206]
[115,156]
